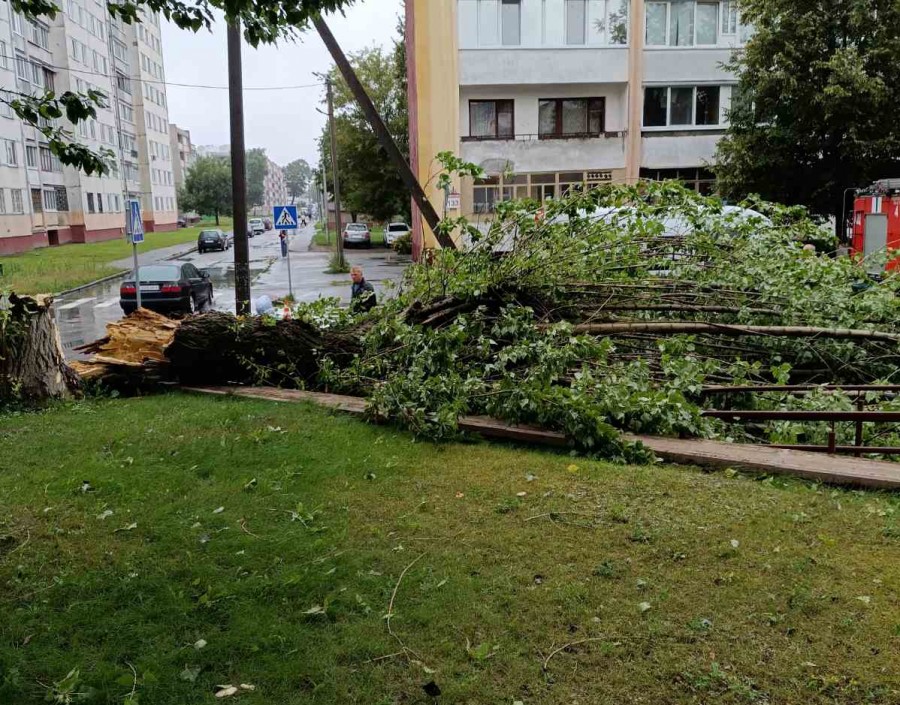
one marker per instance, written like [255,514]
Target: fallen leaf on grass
[226,691]
[530,478]
[130,527]
[199,644]
[522,494]
[189,674]
[865,599]
[459,495]
[573,468]
[105,515]
[735,543]
[315,610]
[219,510]
[644,607]
[251,485]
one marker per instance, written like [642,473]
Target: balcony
[516,67]
[536,153]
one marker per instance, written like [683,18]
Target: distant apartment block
[43,203]
[547,95]
[275,187]
[182,153]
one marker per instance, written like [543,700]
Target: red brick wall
[24,243]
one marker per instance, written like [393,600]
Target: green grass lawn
[55,269]
[234,541]
[320,238]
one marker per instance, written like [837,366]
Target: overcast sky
[284,122]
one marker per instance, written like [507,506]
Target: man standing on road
[362,294]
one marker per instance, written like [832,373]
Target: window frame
[497,135]
[692,125]
[668,25]
[558,133]
[50,200]
[502,23]
[584,24]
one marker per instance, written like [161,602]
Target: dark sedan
[168,288]
[212,240]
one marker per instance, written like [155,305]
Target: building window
[2,201]
[90,203]
[50,203]
[10,153]
[18,204]
[40,34]
[486,193]
[123,83]
[4,56]
[729,17]
[16,22]
[511,22]
[62,199]
[36,201]
[681,106]
[22,68]
[543,186]
[696,178]
[49,161]
[576,17]
[491,119]
[99,202]
[571,117]
[682,23]
[31,155]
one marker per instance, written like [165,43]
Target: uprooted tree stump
[32,363]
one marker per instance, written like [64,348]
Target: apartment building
[275,187]
[182,151]
[549,94]
[43,203]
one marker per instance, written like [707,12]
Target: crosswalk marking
[76,304]
[107,304]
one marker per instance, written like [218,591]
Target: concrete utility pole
[384,137]
[238,171]
[336,182]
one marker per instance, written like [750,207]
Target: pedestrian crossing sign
[285,217]
[135,229]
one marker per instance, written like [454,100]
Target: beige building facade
[546,95]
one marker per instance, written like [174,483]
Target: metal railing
[543,138]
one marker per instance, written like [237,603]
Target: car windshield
[357,226]
[210,233]
[397,228]
[160,272]
[256,221]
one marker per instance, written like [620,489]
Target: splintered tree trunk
[32,363]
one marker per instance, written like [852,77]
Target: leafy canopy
[369,182]
[207,187]
[257,168]
[297,176]
[817,104]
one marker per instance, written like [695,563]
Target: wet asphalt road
[82,316]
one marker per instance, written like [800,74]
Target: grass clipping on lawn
[203,542]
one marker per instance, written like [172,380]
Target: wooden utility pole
[238,171]
[335,181]
[384,137]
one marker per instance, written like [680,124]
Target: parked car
[213,240]
[168,288]
[182,222]
[357,234]
[257,226]
[394,231]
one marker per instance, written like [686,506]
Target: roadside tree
[207,187]
[815,112]
[297,174]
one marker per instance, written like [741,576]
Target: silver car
[394,231]
[357,234]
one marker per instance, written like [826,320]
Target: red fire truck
[876,223]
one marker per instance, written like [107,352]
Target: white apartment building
[44,204]
[545,94]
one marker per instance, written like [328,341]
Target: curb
[118,274]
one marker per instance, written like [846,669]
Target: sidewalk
[153,256]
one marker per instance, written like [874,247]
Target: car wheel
[128,310]
[191,305]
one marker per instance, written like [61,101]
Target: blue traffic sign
[286,217]
[135,229]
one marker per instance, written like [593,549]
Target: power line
[163,83]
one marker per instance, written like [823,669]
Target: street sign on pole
[286,218]
[135,230]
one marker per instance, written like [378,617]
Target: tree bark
[32,363]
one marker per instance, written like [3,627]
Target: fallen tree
[595,320]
